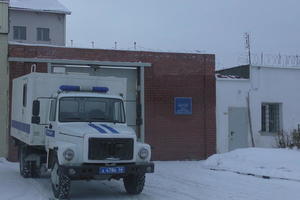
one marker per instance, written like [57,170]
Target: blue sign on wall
[183,105]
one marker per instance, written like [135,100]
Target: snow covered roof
[228,76]
[50,6]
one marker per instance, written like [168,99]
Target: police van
[75,127]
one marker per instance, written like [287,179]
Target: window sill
[263,133]
[44,40]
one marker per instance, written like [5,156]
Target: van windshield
[91,109]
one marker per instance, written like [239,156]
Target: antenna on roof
[134,45]
[116,45]
[33,68]
[93,44]
[71,43]
[248,46]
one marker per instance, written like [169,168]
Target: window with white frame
[270,117]
[43,34]
[19,32]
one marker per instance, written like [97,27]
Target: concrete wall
[275,85]
[33,20]
[173,137]
[266,85]
[230,93]
[4,80]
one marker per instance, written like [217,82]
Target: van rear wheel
[28,169]
[24,166]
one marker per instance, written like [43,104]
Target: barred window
[19,32]
[270,117]
[43,34]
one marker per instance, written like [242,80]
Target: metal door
[238,128]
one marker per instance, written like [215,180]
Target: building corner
[4,79]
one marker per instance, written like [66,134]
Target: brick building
[172,136]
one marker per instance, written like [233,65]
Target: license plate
[112,170]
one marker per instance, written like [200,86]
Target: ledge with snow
[269,163]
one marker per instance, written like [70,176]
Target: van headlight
[143,153]
[68,154]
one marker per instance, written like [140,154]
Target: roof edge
[14,43]
[4,1]
[39,10]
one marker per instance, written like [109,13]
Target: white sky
[210,26]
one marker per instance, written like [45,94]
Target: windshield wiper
[103,120]
[71,119]
[97,119]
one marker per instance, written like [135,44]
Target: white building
[274,96]
[37,22]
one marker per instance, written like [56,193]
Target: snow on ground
[276,163]
[182,180]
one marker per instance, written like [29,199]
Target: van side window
[118,114]
[24,95]
[52,110]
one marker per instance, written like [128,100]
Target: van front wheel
[60,182]
[134,183]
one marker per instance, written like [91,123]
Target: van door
[51,121]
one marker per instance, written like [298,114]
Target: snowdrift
[273,163]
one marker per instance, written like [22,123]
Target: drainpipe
[252,88]
[249,118]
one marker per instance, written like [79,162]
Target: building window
[43,34]
[19,32]
[270,117]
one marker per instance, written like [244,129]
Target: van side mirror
[36,108]
[36,112]
[35,120]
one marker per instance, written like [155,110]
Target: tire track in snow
[23,187]
[175,187]
[182,180]
[172,191]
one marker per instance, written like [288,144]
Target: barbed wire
[135,47]
[275,60]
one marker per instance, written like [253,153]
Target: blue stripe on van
[20,126]
[110,128]
[97,128]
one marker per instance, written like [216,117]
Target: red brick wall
[173,137]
